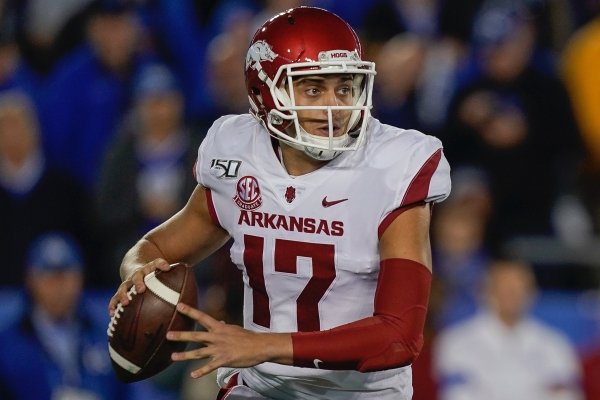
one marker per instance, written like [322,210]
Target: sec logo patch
[248,193]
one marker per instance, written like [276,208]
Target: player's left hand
[228,345]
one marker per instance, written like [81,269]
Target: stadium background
[91,77]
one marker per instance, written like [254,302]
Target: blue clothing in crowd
[32,370]
[81,116]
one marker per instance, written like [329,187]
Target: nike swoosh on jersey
[326,203]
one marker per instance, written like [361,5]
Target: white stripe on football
[160,289]
[122,361]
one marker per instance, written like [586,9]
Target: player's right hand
[135,279]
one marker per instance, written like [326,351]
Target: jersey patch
[220,168]
[290,194]
[248,195]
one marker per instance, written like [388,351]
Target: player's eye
[312,91]
[345,91]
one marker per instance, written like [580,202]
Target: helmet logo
[258,52]
[248,193]
[339,55]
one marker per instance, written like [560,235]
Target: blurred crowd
[103,104]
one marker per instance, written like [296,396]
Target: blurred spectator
[225,57]
[34,197]
[226,53]
[9,53]
[175,28]
[91,91]
[502,353]
[184,30]
[516,123]
[147,174]
[445,68]
[460,256]
[274,7]
[387,18]
[56,350]
[228,12]
[419,71]
[9,60]
[581,58]
[15,72]
[416,80]
[46,34]
[352,11]
[400,62]
[456,18]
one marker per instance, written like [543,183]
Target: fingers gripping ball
[136,333]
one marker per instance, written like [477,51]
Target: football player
[329,212]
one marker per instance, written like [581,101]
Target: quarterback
[329,212]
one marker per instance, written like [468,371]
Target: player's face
[324,90]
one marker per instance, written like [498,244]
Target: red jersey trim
[417,191]
[233,382]
[419,186]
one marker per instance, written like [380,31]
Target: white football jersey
[308,245]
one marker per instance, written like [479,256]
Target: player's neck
[296,162]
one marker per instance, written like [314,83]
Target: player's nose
[331,98]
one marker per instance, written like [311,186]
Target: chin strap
[391,338]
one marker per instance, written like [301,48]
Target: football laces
[119,309]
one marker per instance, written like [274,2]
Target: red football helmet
[307,41]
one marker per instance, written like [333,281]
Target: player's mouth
[323,130]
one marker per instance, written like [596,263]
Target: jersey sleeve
[428,174]
[420,174]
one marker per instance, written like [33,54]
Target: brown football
[137,332]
